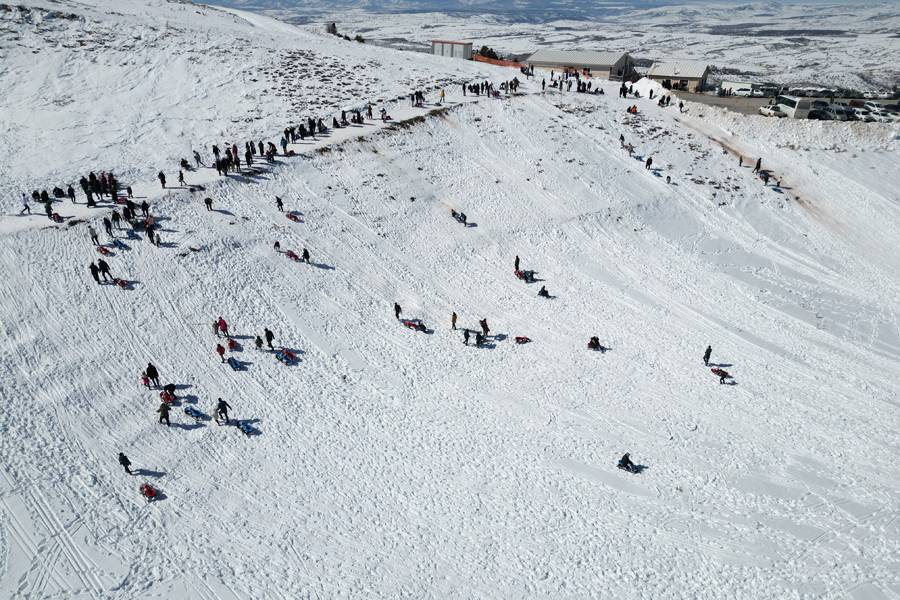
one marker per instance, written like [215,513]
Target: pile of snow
[387,462]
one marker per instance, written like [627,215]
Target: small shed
[682,75]
[452,49]
[610,65]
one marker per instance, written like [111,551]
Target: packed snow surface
[392,463]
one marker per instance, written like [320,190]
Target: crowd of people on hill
[230,160]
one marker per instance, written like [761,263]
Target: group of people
[483,88]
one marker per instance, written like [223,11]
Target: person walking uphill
[220,350]
[162,179]
[103,267]
[163,411]
[126,464]
[222,410]
[484,327]
[758,165]
[453,321]
[269,337]
[706,356]
[152,374]
[223,326]
[397,311]
[279,204]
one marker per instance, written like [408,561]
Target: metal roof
[685,69]
[576,58]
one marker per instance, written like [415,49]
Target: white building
[681,75]
[452,49]
[597,64]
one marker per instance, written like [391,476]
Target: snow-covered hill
[392,463]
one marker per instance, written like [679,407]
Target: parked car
[744,92]
[819,115]
[860,114]
[836,114]
[771,111]
[872,106]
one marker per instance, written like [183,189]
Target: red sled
[521,339]
[293,217]
[720,373]
[414,325]
[148,492]
[292,255]
[55,217]
[122,283]
[167,397]
[519,274]
[232,344]
[103,250]
[120,200]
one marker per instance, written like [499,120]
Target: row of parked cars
[855,110]
[870,112]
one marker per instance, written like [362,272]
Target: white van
[794,107]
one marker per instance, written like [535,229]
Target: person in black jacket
[152,374]
[222,409]
[706,355]
[123,460]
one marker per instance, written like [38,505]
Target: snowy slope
[131,86]
[391,463]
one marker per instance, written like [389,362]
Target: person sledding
[286,356]
[232,345]
[626,465]
[543,293]
[167,397]
[722,374]
[594,343]
[415,325]
[222,411]
[148,492]
[220,350]
[522,339]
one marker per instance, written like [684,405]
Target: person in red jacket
[220,350]
[223,326]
